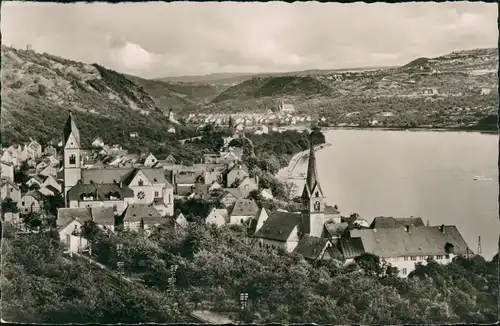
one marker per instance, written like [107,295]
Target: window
[72,159]
[169,199]
[22,203]
[430,257]
[157,194]
[317,206]
[317,194]
[405,271]
[447,256]
[141,183]
[438,257]
[413,258]
[115,208]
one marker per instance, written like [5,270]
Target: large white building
[110,187]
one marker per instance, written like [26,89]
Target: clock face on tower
[141,195]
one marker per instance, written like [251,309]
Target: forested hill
[39,89]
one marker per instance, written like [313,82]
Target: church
[110,187]
[286,230]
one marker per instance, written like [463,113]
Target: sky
[155,39]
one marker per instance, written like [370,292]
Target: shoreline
[435,129]
[285,172]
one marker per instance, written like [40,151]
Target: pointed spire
[312,172]
[70,128]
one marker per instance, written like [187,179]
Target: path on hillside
[287,172]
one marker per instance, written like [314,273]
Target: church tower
[313,200]
[72,155]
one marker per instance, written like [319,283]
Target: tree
[32,220]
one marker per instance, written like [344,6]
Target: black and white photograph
[250,163]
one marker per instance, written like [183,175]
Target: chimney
[441,228]
[121,184]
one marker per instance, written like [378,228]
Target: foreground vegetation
[216,265]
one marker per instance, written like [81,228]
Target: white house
[243,211]
[266,194]
[9,189]
[98,142]
[218,217]
[30,202]
[7,170]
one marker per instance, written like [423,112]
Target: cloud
[159,39]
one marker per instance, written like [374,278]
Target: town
[104,190]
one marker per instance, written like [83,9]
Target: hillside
[230,79]
[39,89]
[459,80]
[178,96]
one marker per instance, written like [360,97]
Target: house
[48,190]
[134,134]
[103,217]
[148,160]
[7,170]
[33,149]
[171,130]
[69,232]
[35,180]
[98,142]
[314,248]
[51,181]
[266,194]
[403,247]
[170,160]
[30,202]
[214,186]
[50,151]
[247,185]
[235,174]
[332,214]
[9,189]
[243,211]
[217,216]
[137,217]
[184,183]
[40,166]
[391,222]
[286,107]
[229,196]
[257,221]
[181,223]
[280,230]
[49,171]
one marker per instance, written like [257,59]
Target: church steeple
[313,201]
[312,180]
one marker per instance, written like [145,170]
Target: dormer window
[317,194]
[72,159]
[114,180]
[141,183]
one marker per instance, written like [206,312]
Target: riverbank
[285,173]
[457,129]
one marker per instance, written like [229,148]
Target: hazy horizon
[156,40]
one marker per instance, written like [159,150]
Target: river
[414,173]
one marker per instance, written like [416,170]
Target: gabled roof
[70,128]
[418,241]
[103,215]
[245,207]
[52,189]
[100,191]
[232,192]
[5,181]
[349,248]
[35,194]
[241,167]
[391,222]
[146,212]
[278,226]
[220,211]
[336,229]
[185,178]
[65,215]
[311,247]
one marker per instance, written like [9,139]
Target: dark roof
[103,215]
[336,229]
[70,128]
[350,247]
[235,167]
[100,191]
[232,191]
[419,241]
[125,175]
[68,222]
[278,226]
[185,178]
[391,222]
[134,213]
[53,189]
[65,215]
[245,207]
[310,247]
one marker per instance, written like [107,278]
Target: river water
[414,173]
